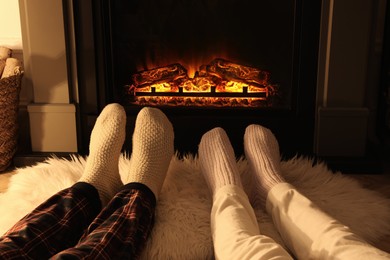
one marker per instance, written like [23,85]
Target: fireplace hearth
[205,64]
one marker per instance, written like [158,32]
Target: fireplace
[218,84]
[204,63]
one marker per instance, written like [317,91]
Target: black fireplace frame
[294,127]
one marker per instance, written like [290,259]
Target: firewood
[12,67]
[170,73]
[231,71]
[5,52]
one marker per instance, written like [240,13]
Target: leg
[306,230]
[60,221]
[233,223]
[53,226]
[122,228]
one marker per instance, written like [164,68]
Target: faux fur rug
[182,228]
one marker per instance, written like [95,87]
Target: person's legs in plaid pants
[121,229]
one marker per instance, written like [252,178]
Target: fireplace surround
[110,42]
[68,81]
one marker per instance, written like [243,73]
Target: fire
[220,83]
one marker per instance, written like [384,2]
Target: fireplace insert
[204,63]
[219,84]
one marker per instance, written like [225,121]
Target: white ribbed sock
[217,160]
[152,149]
[107,137]
[262,153]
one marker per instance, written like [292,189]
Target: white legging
[306,230]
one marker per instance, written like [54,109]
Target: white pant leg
[235,230]
[312,234]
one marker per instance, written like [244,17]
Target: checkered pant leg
[53,226]
[120,231]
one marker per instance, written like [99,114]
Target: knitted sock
[107,137]
[152,149]
[262,152]
[217,160]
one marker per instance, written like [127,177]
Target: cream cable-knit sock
[262,153]
[217,160]
[107,137]
[152,149]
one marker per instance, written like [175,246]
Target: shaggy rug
[182,227]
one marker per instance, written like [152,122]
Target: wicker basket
[9,104]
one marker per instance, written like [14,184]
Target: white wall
[10,30]
[11,37]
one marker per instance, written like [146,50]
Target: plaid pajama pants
[71,225]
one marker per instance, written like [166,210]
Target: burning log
[235,72]
[198,84]
[170,73]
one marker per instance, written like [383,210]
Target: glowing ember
[220,83]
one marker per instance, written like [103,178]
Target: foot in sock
[152,149]
[107,137]
[262,153]
[217,160]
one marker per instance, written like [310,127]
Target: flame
[160,88]
[192,68]
[160,58]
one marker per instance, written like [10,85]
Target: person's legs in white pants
[234,227]
[305,228]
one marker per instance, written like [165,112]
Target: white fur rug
[182,228]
